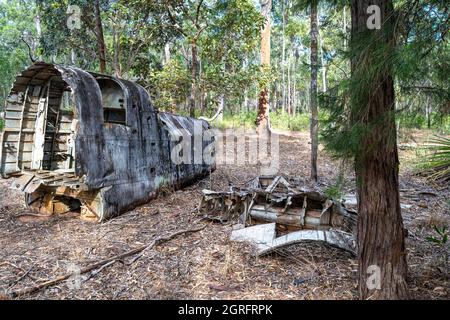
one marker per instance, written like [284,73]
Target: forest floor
[205,264]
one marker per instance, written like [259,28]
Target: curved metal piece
[120,145]
[263,237]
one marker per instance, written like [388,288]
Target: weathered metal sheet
[301,214]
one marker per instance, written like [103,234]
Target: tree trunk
[221,107]
[322,63]
[294,91]
[314,123]
[262,120]
[380,226]
[202,100]
[246,100]
[344,26]
[275,97]
[289,102]
[100,37]
[193,96]
[116,45]
[37,21]
[296,100]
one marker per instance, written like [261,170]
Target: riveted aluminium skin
[119,166]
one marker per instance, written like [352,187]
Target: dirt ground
[205,264]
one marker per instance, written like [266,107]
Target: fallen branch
[19,268]
[96,272]
[25,273]
[102,263]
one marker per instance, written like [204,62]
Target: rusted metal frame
[45,86]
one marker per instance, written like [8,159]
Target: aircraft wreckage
[276,212]
[81,140]
[77,139]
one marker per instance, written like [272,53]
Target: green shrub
[336,191]
[439,123]
[243,119]
[416,121]
[284,121]
[2,124]
[440,240]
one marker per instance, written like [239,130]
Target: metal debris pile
[275,212]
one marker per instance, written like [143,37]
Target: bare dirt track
[205,264]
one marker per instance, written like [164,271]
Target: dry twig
[102,263]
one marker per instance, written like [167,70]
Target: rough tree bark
[195,62]
[344,26]
[262,120]
[116,46]
[289,102]
[283,56]
[314,122]
[296,93]
[380,227]
[322,61]
[100,37]
[428,111]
